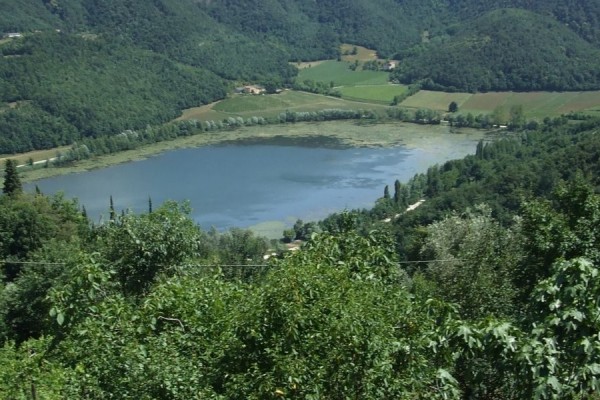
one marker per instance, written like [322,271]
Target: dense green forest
[118,65]
[488,290]
[87,87]
[483,56]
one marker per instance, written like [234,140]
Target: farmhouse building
[390,65]
[251,89]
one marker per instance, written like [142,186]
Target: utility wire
[213,265]
[31,262]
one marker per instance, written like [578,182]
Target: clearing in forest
[341,74]
[353,53]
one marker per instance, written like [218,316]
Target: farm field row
[269,106]
[535,104]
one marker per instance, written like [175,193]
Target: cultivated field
[535,104]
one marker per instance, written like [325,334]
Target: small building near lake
[390,65]
[254,89]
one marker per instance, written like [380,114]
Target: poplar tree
[397,186]
[113,214]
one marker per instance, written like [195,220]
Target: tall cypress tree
[386,192]
[397,186]
[113,214]
[12,182]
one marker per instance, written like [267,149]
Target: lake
[263,181]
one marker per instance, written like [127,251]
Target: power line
[428,261]
[215,265]
[31,262]
[223,265]
[174,266]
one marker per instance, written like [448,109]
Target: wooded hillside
[508,49]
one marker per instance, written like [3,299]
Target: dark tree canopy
[508,49]
[12,182]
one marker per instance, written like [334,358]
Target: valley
[223,209]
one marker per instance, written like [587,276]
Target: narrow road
[38,162]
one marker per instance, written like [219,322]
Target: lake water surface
[246,185]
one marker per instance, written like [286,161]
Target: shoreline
[340,134]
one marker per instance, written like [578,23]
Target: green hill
[66,87]
[505,49]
